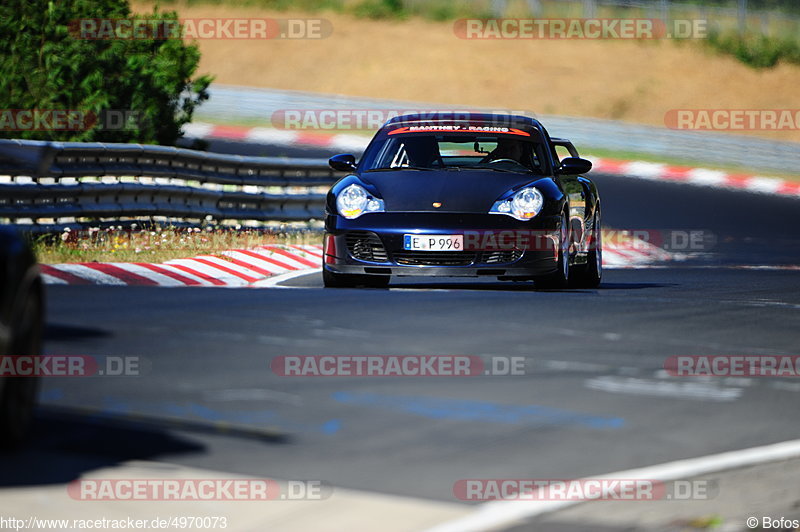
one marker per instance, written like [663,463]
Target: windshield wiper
[493,169]
[398,168]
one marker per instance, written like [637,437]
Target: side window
[561,152]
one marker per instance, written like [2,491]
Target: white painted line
[663,388]
[274,282]
[497,514]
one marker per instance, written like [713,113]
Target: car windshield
[504,153]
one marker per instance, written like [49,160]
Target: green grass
[755,50]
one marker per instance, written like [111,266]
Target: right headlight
[523,205]
[354,200]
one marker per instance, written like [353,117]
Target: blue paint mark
[471,410]
[331,426]
[115,406]
[51,395]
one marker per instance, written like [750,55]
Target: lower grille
[501,257]
[434,258]
[366,246]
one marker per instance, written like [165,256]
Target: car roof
[484,119]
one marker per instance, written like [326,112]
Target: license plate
[433,242]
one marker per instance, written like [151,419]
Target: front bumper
[494,245]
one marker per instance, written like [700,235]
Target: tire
[590,274]
[18,395]
[559,278]
[348,280]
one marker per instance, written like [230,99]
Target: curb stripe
[126,276]
[247,260]
[196,273]
[316,251]
[158,278]
[269,260]
[70,278]
[295,258]
[90,274]
[225,269]
[261,254]
[158,268]
[249,267]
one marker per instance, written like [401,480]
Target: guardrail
[54,180]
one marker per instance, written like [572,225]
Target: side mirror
[574,166]
[343,162]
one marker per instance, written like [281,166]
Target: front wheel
[349,280]
[589,275]
[559,278]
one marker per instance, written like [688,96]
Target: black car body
[21,322]
[465,196]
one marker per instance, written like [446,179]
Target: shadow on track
[62,447]
[72,333]
[66,443]
[525,287]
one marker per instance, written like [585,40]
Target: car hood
[457,191]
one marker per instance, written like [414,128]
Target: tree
[47,64]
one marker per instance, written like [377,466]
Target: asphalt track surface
[594,398]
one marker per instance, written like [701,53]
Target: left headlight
[354,200]
[523,205]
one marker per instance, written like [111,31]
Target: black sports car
[463,195]
[21,322]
